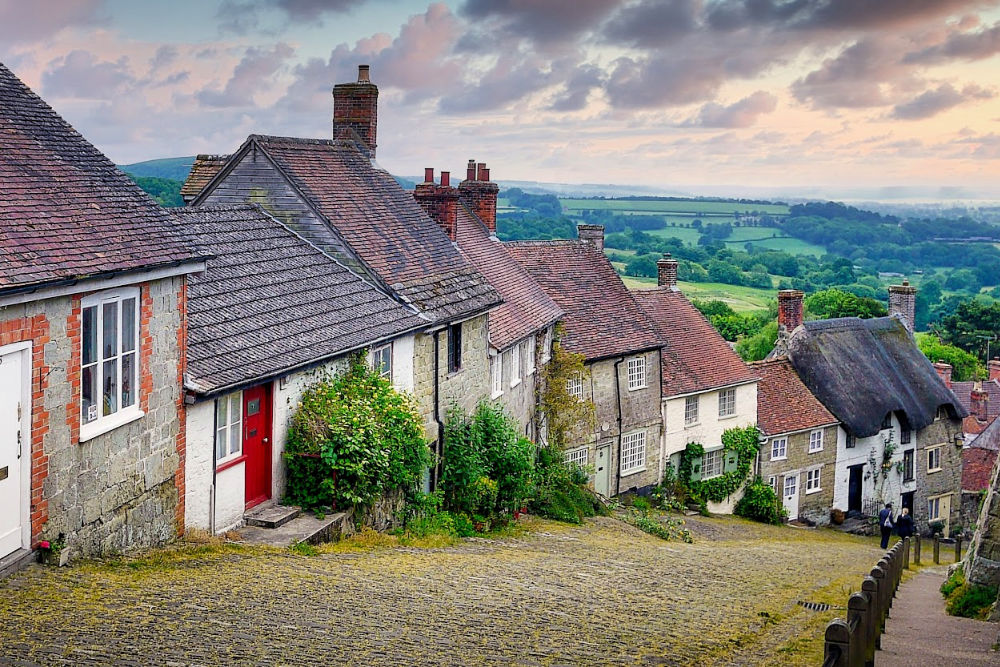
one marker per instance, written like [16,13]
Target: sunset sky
[668,93]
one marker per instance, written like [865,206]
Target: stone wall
[521,400]
[982,564]
[948,480]
[814,506]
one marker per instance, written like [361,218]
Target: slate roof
[863,369]
[963,390]
[602,319]
[979,458]
[784,403]
[381,223]
[526,307]
[695,357]
[66,212]
[270,301]
[203,170]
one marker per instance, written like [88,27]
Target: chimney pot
[666,271]
[363,71]
[445,179]
[994,368]
[481,169]
[944,371]
[789,310]
[593,234]
[470,171]
[428,174]
[486,175]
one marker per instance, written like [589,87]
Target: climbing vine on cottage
[562,412]
[744,442]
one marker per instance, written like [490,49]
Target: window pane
[109,379]
[221,418]
[89,398]
[234,438]
[128,380]
[110,330]
[236,408]
[128,325]
[90,335]
[220,443]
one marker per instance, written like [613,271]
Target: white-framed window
[690,410]
[812,480]
[109,360]
[712,463]
[727,402]
[934,459]
[496,375]
[791,485]
[574,386]
[636,373]
[779,449]
[577,456]
[515,365]
[773,482]
[815,441]
[382,361]
[547,345]
[530,361]
[633,452]
[229,427]
[934,509]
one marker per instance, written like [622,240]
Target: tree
[971,325]
[759,345]
[964,365]
[831,303]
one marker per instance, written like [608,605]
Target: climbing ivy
[745,442]
[564,413]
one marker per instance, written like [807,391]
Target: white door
[11,496]
[790,496]
[602,470]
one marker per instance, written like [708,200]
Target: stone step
[15,561]
[303,528]
[272,516]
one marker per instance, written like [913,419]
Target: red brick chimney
[479,194]
[994,368]
[978,402]
[666,271]
[903,303]
[439,201]
[355,107]
[789,310]
[593,234]
[944,370]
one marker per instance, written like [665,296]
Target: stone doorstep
[271,516]
[303,528]
[16,561]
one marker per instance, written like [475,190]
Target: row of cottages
[872,422]
[93,320]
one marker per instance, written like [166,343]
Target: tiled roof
[203,170]
[784,403]
[977,468]
[696,358]
[963,390]
[526,307]
[66,212]
[382,224]
[602,319]
[270,301]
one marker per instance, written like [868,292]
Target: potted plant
[52,552]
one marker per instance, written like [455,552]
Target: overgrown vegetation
[666,528]
[563,413]
[966,599]
[761,503]
[561,491]
[739,445]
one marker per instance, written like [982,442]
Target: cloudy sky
[668,93]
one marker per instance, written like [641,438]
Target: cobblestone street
[603,593]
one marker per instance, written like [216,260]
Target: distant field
[686,234]
[762,237]
[741,299]
[786,243]
[661,206]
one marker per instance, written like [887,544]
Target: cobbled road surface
[602,593]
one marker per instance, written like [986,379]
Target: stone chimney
[591,234]
[994,368]
[355,107]
[479,194]
[944,370]
[666,271]
[903,303]
[789,310]
[978,402]
[440,201]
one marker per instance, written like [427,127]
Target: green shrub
[641,504]
[561,491]
[956,579]
[761,503]
[965,599]
[668,529]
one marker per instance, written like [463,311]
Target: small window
[905,436]
[815,441]
[712,463]
[887,422]
[727,402]
[454,348]
[229,427]
[547,345]
[636,373]
[633,452]
[791,486]
[577,456]
[933,459]
[382,361]
[812,481]
[530,353]
[109,358]
[779,449]
[933,509]
[575,386]
[515,365]
[773,482]
[496,375]
[851,441]
[908,467]
[690,410]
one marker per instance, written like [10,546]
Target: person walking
[904,523]
[886,524]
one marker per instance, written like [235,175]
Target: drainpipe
[663,422]
[437,405]
[211,489]
[618,399]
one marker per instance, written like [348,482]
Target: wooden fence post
[937,550]
[836,650]
[958,548]
[859,618]
[916,550]
[906,553]
[881,604]
[870,588]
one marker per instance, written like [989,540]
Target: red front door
[257,443]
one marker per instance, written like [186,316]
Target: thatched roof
[863,369]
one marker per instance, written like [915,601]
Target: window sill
[496,395]
[732,416]
[230,463]
[514,384]
[813,491]
[815,451]
[929,472]
[633,472]
[692,424]
[779,458]
[91,431]
[637,388]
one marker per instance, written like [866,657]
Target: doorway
[602,470]
[257,443]
[790,496]
[15,446]
[854,487]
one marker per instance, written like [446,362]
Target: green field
[571,206]
[741,299]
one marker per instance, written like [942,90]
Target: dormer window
[887,422]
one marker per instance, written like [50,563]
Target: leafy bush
[956,579]
[761,503]
[352,440]
[668,529]
[561,490]
[971,601]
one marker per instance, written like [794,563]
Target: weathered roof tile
[784,403]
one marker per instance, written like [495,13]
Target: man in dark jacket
[904,523]
[886,524]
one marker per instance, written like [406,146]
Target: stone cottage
[269,316]
[334,194]
[92,327]
[521,329]
[706,387]
[798,454]
[622,358]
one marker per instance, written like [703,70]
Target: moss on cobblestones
[600,593]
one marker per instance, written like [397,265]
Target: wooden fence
[852,642]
